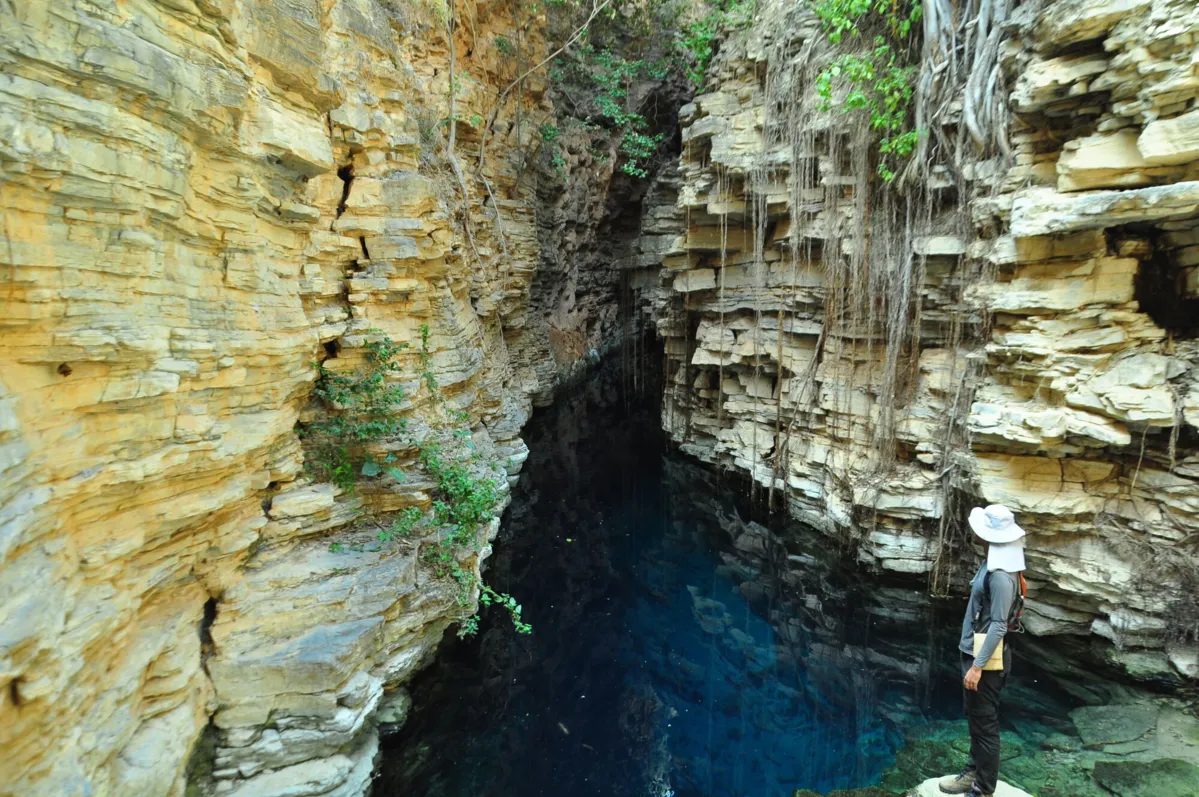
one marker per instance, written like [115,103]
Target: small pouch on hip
[996,660]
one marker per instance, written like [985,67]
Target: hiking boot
[960,783]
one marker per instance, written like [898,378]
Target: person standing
[996,602]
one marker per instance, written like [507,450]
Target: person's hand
[972,677]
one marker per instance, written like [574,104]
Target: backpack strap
[1016,612]
[1018,602]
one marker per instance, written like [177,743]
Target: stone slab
[929,788]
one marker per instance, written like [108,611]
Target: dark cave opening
[1161,290]
[346,173]
[206,621]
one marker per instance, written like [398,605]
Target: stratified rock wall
[1050,362]
[201,198]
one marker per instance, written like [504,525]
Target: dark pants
[982,713]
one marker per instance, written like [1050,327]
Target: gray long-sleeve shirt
[1003,592]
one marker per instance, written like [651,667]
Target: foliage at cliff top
[700,37]
[878,79]
[612,81]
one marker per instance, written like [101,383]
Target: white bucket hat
[995,524]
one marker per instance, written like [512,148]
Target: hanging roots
[874,269]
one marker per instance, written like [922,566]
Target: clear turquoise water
[677,647]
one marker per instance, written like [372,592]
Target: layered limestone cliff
[1016,328]
[200,199]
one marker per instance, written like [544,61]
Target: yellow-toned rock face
[196,196]
[1022,329]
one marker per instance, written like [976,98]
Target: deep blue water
[677,646]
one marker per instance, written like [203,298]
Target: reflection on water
[677,646]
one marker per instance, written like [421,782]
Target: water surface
[678,646]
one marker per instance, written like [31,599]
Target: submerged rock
[925,758]
[868,791]
[1164,777]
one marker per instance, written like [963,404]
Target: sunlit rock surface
[199,200]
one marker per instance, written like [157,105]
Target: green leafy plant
[403,525]
[699,38]
[504,45]
[464,502]
[488,597]
[363,408]
[639,148]
[603,79]
[550,133]
[880,81]
[426,361]
[851,16]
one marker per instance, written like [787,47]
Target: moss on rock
[921,760]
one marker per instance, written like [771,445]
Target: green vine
[880,81]
[464,503]
[488,596]
[364,409]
